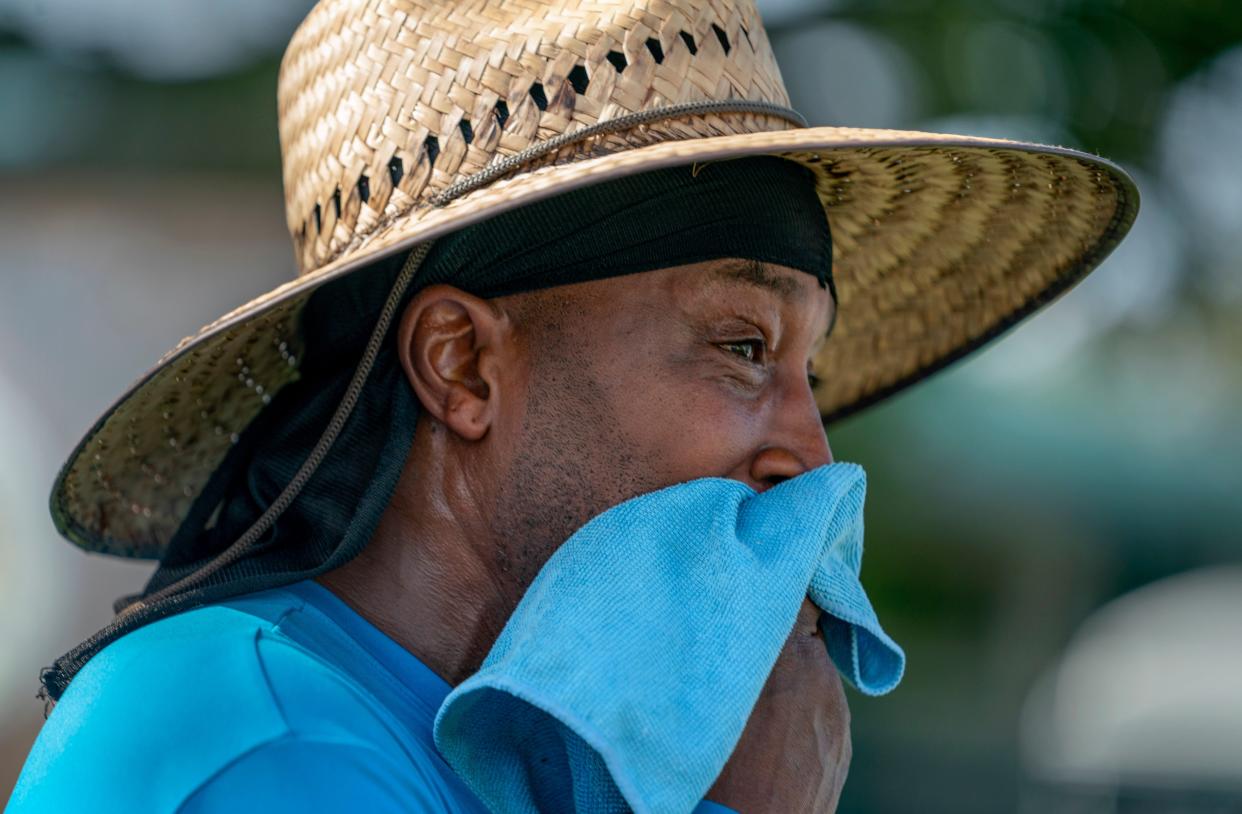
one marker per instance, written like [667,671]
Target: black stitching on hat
[501,112]
[541,98]
[618,60]
[578,78]
[396,169]
[364,188]
[336,201]
[498,168]
[694,49]
[467,132]
[432,145]
[653,45]
[318,220]
[720,35]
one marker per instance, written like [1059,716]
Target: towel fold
[627,672]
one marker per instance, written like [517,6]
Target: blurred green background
[1052,524]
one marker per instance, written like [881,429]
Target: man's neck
[425,579]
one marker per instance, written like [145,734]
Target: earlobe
[443,339]
[465,413]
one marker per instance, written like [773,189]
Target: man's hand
[795,750]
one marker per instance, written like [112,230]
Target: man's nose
[796,443]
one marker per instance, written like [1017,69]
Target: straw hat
[402,120]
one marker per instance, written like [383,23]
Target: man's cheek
[681,414]
[703,438]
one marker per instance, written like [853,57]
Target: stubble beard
[572,463]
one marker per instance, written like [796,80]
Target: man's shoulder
[200,667]
[159,711]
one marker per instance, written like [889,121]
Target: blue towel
[625,676]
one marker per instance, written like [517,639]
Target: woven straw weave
[403,120]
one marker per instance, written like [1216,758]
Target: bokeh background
[1052,524]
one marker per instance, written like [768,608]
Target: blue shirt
[282,700]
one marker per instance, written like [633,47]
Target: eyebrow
[754,272]
[736,269]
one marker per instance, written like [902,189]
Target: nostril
[776,480]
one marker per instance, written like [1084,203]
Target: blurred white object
[1148,693]
[27,609]
[160,39]
[1200,160]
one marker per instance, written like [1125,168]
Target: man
[556,257]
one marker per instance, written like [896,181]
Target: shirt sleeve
[293,774]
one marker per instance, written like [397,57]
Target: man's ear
[449,343]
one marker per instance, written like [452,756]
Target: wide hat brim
[940,244]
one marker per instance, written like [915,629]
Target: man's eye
[748,349]
[812,379]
